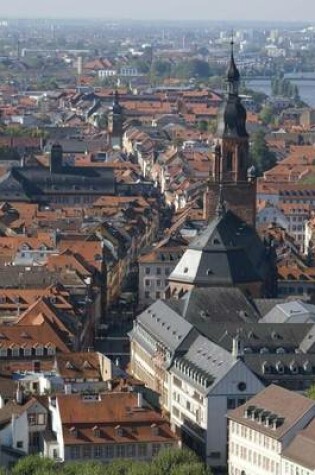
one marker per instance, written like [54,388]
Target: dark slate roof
[227,252]
[217,304]
[165,324]
[29,182]
[257,338]
[285,368]
[264,306]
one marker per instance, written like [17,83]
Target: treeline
[167,462]
[281,86]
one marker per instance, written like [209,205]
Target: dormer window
[280,351]
[280,367]
[307,367]
[119,431]
[73,431]
[293,367]
[264,351]
[96,431]
[39,351]
[69,365]
[155,429]
[27,351]
[265,367]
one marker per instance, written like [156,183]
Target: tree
[266,115]
[262,157]
[311,392]
[192,68]
[33,465]
[170,460]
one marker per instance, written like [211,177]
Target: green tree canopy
[192,68]
[262,157]
[167,462]
[33,465]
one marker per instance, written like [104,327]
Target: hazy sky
[287,10]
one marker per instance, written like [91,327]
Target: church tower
[116,123]
[231,165]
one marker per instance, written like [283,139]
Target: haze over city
[269,10]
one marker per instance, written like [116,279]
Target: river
[306,88]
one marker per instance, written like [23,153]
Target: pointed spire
[220,209]
[233,75]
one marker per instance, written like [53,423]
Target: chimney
[56,154]
[19,395]
[68,389]
[237,348]
[140,400]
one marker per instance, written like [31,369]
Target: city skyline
[277,10]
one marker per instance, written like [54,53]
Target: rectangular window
[120,451]
[215,455]
[147,282]
[109,451]
[130,450]
[32,419]
[177,382]
[231,403]
[158,271]
[147,270]
[155,449]
[19,444]
[74,452]
[158,283]
[157,295]
[97,451]
[41,419]
[147,295]
[142,450]
[86,451]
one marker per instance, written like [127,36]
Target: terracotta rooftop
[302,449]
[286,406]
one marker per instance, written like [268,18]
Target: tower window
[229,161]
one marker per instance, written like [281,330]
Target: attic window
[69,365]
[96,431]
[155,429]
[86,365]
[119,430]
[264,351]
[280,367]
[216,242]
[280,351]
[185,270]
[209,272]
[73,431]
